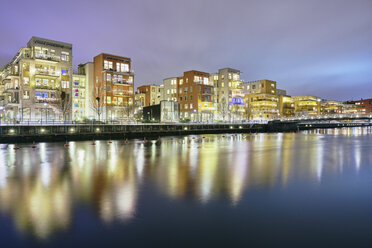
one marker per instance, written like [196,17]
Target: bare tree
[223,108]
[97,106]
[65,104]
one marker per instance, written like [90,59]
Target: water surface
[309,189]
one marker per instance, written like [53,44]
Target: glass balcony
[50,73]
[52,58]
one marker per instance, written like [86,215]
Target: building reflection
[41,188]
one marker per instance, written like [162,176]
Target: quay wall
[47,133]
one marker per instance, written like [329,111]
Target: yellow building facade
[306,105]
[261,106]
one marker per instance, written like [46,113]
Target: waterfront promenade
[23,133]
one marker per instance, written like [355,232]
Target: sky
[317,47]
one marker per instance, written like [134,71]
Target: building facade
[37,82]
[196,96]
[261,106]
[114,87]
[229,95]
[286,106]
[170,89]
[153,93]
[364,106]
[307,105]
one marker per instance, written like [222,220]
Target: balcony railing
[47,73]
[48,57]
[42,87]
[47,100]
[125,93]
[11,88]
[122,82]
[119,72]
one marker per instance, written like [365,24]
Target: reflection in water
[40,188]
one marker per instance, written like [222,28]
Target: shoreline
[64,133]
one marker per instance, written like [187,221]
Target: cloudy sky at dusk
[318,47]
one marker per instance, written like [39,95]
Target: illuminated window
[108,76]
[65,56]
[124,67]
[26,94]
[108,100]
[107,65]
[65,84]
[64,72]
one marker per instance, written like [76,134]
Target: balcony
[42,87]
[122,82]
[10,89]
[118,72]
[47,58]
[48,100]
[125,93]
[48,73]
[207,93]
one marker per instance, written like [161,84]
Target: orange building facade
[196,96]
[114,87]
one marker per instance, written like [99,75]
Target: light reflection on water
[40,188]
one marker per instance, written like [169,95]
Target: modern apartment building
[260,86]
[330,107]
[307,105]
[364,106]
[261,100]
[114,87]
[261,106]
[37,82]
[170,89]
[286,106]
[196,96]
[153,93]
[229,95]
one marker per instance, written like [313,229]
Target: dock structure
[19,133]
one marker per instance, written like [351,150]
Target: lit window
[65,84]
[65,56]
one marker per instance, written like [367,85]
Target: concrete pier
[37,133]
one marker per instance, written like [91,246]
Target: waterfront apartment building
[349,108]
[153,93]
[286,106]
[196,96]
[261,106]
[328,107]
[229,95]
[170,89]
[83,92]
[307,105]
[114,87]
[260,86]
[364,106]
[37,82]
[261,100]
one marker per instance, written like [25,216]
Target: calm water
[310,189]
